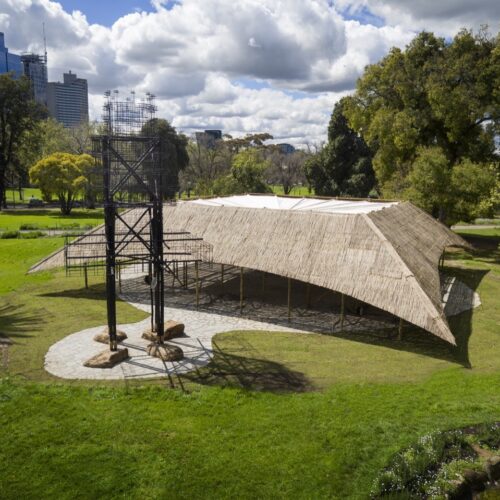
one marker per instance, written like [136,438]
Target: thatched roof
[384,254]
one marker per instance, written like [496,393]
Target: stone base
[107,359]
[165,352]
[173,329]
[103,337]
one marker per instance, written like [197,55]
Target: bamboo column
[241,290]
[400,329]
[289,299]
[308,295]
[197,284]
[342,311]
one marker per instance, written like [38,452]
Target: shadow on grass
[229,370]
[15,324]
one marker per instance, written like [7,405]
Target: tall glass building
[8,61]
[35,69]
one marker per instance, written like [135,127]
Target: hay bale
[103,337]
[165,352]
[107,359]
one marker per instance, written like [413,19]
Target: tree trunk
[442,215]
[3,194]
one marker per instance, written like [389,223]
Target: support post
[308,295]
[241,290]
[222,276]
[342,312]
[263,282]
[400,329]
[197,284]
[85,272]
[109,223]
[289,299]
[119,277]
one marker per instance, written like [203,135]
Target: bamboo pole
[400,329]
[197,284]
[241,290]
[342,312]
[289,299]
[308,295]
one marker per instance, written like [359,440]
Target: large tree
[246,175]
[174,154]
[18,115]
[63,175]
[434,94]
[286,169]
[344,166]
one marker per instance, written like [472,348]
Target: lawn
[13,220]
[277,415]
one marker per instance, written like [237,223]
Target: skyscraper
[8,61]
[35,69]
[68,102]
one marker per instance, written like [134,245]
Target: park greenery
[63,175]
[430,114]
[344,166]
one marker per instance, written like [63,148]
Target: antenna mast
[44,42]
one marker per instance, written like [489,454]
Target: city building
[208,138]
[35,69]
[286,149]
[68,102]
[8,61]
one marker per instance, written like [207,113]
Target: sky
[242,66]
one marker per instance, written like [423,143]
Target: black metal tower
[129,152]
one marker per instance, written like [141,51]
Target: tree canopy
[18,114]
[63,175]
[246,175]
[344,166]
[174,154]
[434,94]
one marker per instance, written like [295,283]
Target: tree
[286,170]
[343,167]
[246,176]
[433,94]
[18,114]
[174,155]
[63,175]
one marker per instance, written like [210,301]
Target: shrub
[9,235]
[31,235]
[24,227]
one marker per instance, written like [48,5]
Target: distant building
[68,102]
[35,69]
[286,149]
[9,62]
[208,138]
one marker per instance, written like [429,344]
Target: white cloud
[444,17]
[192,54]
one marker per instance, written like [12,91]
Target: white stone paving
[65,358]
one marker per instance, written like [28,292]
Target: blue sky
[106,12]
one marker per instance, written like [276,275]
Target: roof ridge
[428,303]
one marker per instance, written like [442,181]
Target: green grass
[13,195]
[49,219]
[296,191]
[276,416]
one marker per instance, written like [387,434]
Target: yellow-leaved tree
[63,175]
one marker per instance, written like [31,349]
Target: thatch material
[387,257]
